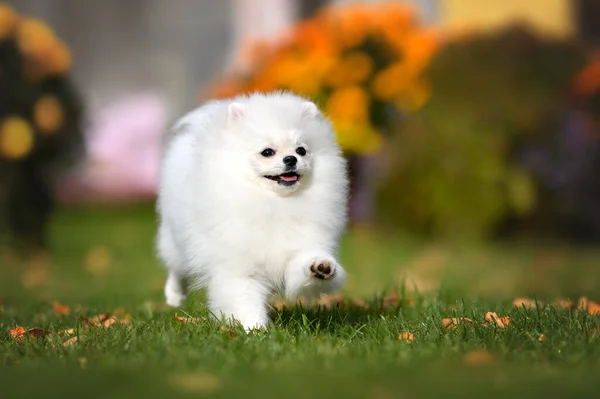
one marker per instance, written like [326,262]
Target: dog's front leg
[241,298]
[310,274]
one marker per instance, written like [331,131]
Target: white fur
[226,227]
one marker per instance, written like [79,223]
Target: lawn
[103,262]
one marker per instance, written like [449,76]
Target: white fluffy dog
[252,200]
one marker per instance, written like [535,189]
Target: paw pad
[322,270]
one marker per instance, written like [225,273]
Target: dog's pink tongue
[289,178]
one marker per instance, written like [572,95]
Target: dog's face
[278,148]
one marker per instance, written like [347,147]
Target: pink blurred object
[123,149]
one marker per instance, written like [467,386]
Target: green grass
[339,352]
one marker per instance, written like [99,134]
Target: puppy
[252,200]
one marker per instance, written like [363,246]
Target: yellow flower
[357,138]
[59,60]
[354,68]
[16,138]
[48,114]
[35,38]
[348,104]
[8,19]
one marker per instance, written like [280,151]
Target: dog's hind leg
[176,289]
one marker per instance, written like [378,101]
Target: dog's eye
[267,152]
[301,151]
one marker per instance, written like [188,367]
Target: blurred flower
[39,45]
[8,19]
[349,104]
[48,114]
[353,68]
[362,61]
[16,138]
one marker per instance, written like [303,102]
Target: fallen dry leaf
[478,358]
[593,308]
[103,320]
[227,331]
[452,322]
[501,322]
[542,338]
[526,302]
[97,320]
[565,303]
[188,320]
[279,305]
[60,309]
[393,299]
[70,341]
[406,336]
[69,331]
[18,332]
[410,301]
[357,303]
[328,301]
[38,332]
[199,383]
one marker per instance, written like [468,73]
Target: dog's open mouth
[285,179]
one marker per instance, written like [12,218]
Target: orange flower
[16,138]
[35,38]
[48,114]
[419,47]
[59,60]
[354,68]
[8,19]
[349,104]
[350,25]
[388,82]
[38,43]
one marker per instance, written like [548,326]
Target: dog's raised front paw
[323,269]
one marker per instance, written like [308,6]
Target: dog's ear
[309,110]
[235,112]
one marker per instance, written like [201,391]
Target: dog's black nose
[290,160]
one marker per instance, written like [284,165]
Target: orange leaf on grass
[565,303]
[501,322]
[393,299]
[453,322]
[18,332]
[526,302]
[60,309]
[328,301]
[542,338]
[406,336]
[227,331]
[70,341]
[357,303]
[189,320]
[593,308]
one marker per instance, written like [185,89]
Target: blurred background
[472,130]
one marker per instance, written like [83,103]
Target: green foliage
[453,165]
